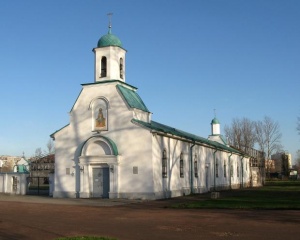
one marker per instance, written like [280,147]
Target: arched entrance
[98,168]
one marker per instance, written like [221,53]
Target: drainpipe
[215,169]
[229,162]
[242,169]
[191,167]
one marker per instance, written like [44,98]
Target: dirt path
[142,220]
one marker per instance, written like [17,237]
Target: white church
[113,149]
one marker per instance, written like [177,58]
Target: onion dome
[215,121]
[109,40]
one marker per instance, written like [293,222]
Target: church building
[113,149]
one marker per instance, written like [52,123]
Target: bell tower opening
[121,68]
[103,67]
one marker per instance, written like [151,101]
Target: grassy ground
[274,195]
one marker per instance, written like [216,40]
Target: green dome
[215,121]
[109,40]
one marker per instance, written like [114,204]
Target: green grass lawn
[274,195]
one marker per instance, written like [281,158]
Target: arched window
[121,68]
[225,169]
[103,66]
[217,168]
[196,166]
[164,164]
[181,166]
[237,171]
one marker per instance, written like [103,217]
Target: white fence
[14,183]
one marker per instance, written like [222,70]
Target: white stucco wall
[207,180]
[133,143]
[113,55]
[6,183]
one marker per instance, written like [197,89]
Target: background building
[8,163]
[282,163]
[40,168]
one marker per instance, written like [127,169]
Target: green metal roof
[179,133]
[109,40]
[109,81]
[215,121]
[132,98]
[22,169]
[223,139]
[111,143]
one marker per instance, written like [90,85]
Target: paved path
[31,217]
[66,201]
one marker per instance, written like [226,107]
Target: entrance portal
[100,182]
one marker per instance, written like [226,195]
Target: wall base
[60,194]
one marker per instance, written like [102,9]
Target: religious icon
[100,121]
[99,115]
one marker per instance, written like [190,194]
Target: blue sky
[186,58]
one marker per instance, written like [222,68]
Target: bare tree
[7,166]
[268,137]
[241,134]
[50,146]
[38,152]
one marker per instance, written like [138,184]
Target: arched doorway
[98,167]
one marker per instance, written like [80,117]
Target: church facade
[113,149]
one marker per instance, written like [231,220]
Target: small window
[181,165]
[103,66]
[164,164]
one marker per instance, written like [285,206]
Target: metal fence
[38,186]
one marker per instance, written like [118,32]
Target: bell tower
[109,57]
[216,131]
[215,127]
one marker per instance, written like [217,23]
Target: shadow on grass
[283,195]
